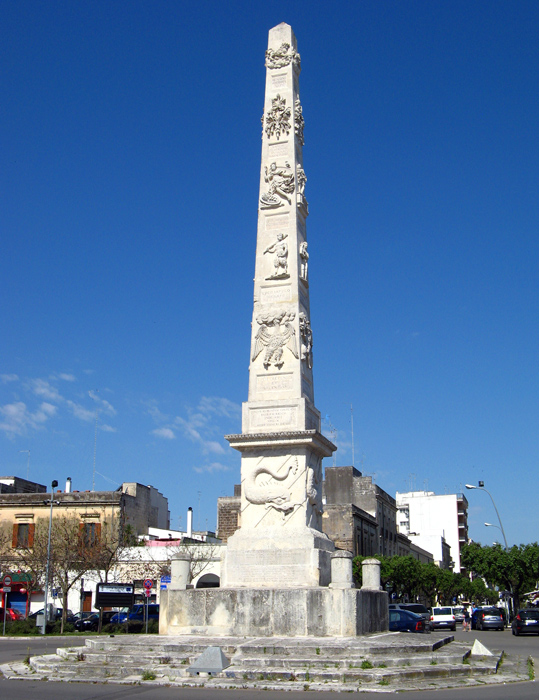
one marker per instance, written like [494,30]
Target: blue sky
[131,151]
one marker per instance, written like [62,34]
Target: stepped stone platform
[385,662]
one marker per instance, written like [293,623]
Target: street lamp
[43,630]
[481,487]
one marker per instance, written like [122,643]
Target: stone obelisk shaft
[281,395]
[280,541]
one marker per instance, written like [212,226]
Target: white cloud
[67,377]
[5,378]
[213,467]
[42,388]
[81,412]
[18,419]
[102,403]
[219,406]
[107,428]
[166,433]
[212,446]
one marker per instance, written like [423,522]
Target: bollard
[179,572]
[371,575]
[341,570]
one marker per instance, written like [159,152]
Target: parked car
[416,608]
[57,614]
[458,612]
[137,612]
[405,621]
[10,614]
[443,618]
[90,623]
[526,621]
[489,619]
[118,617]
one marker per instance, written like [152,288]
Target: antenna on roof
[27,464]
[352,424]
[95,440]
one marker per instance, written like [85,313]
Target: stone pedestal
[273,612]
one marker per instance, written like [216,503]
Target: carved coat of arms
[274,335]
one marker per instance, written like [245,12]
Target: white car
[443,618]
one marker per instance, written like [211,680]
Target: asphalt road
[14,649]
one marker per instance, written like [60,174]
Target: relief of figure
[264,492]
[280,261]
[304,261]
[281,184]
[306,339]
[274,339]
[312,490]
[278,118]
[282,57]
[302,179]
[299,121]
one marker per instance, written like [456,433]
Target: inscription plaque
[272,417]
[278,81]
[278,149]
[278,221]
[268,295]
[274,382]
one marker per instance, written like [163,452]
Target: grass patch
[531,669]
[383,681]
[317,651]
[366,664]
[165,660]
[434,662]
[382,665]
[148,676]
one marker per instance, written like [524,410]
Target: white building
[430,521]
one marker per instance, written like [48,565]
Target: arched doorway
[208,581]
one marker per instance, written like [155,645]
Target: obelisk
[280,543]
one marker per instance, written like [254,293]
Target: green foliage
[148,676]
[408,578]
[531,669]
[515,569]
[22,627]
[366,664]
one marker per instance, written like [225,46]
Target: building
[359,515]
[229,514]
[435,523]
[132,507]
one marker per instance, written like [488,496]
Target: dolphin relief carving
[266,491]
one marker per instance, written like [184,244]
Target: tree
[515,570]
[72,554]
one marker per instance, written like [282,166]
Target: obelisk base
[277,560]
[285,612]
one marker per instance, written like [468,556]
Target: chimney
[68,485]
[189,522]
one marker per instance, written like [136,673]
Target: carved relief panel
[275,335]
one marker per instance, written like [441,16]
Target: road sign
[147,592]
[7,580]
[6,589]
[148,583]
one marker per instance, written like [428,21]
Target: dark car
[405,621]
[416,608]
[87,623]
[526,622]
[56,616]
[488,619]
[90,623]
[138,612]
[118,617]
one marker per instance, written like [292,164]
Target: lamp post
[43,630]
[481,487]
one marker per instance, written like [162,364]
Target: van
[138,612]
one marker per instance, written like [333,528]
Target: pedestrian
[466,621]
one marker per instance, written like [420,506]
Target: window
[90,534]
[23,535]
